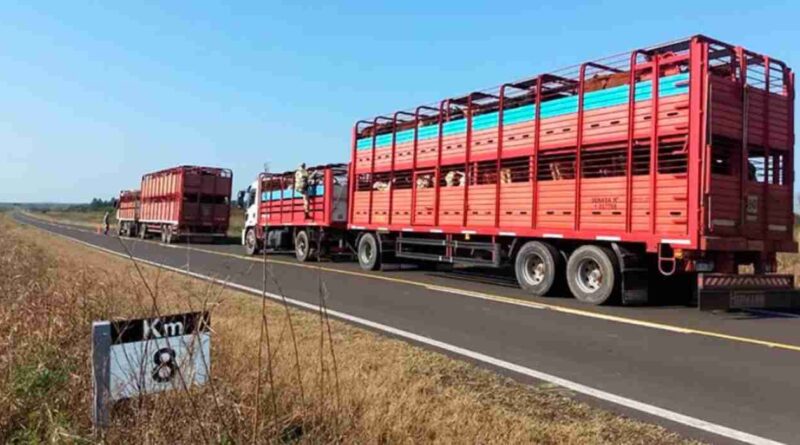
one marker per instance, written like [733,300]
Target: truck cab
[246,200]
[280,217]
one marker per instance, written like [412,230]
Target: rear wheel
[250,242]
[537,266]
[369,255]
[592,274]
[302,246]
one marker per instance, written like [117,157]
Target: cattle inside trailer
[670,160]
[185,202]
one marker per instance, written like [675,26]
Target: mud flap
[730,291]
[633,276]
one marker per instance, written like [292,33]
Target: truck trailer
[667,161]
[185,202]
[128,212]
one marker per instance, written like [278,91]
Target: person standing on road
[105,222]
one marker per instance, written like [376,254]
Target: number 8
[166,367]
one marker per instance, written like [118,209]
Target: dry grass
[378,390]
[790,262]
[93,219]
[90,218]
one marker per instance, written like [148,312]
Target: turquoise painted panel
[288,193]
[667,86]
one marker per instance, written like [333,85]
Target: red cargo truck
[185,202]
[128,212]
[278,218]
[673,160]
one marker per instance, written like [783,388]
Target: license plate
[743,300]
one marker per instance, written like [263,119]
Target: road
[719,377]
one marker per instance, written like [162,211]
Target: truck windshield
[251,196]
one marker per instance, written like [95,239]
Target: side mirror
[240,199]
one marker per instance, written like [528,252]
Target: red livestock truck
[278,217]
[673,160]
[128,212]
[185,201]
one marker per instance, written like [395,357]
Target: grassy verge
[93,219]
[89,218]
[316,381]
[789,263]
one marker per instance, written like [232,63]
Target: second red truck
[180,202]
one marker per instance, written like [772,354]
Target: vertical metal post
[533,169]
[578,148]
[391,169]
[101,374]
[499,154]
[654,145]
[467,166]
[631,138]
[698,126]
[372,167]
[413,218]
[438,171]
[767,159]
[788,163]
[744,166]
[352,177]
[327,196]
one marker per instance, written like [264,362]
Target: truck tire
[592,274]
[537,267]
[251,242]
[369,253]
[302,246]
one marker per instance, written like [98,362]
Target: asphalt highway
[719,377]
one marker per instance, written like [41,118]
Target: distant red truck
[179,202]
[128,212]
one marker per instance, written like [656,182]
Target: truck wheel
[537,266]
[302,246]
[250,242]
[369,254]
[592,274]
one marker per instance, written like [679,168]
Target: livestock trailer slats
[187,200]
[128,205]
[281,204]
[597,151]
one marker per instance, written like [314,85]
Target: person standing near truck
[105,222]
[301,186]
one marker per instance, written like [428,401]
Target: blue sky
[95,95]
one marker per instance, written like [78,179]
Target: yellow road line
[504,299]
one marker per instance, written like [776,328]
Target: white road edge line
[646,408]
